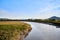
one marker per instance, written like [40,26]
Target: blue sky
[21,9]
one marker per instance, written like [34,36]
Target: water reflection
[43,32]
[57,25]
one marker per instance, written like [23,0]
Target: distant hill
[54,17]
[6,19]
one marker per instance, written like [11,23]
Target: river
[42,31]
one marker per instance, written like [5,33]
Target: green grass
[12,27]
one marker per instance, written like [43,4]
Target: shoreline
[49,23]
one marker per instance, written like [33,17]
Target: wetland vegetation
[13,30]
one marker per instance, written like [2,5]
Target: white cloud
[49,8]
[48,12]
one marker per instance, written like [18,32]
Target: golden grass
[11,22]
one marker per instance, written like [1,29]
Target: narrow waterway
[43,32]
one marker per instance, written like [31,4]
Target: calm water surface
[43,32]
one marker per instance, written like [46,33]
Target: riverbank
[13,30]
[55,23]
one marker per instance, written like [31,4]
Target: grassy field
[10,29]
[12,25]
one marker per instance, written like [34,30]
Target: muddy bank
[23,34]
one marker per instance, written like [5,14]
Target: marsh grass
[10,29]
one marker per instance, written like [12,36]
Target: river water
[43,32]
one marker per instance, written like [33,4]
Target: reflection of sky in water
[43,32]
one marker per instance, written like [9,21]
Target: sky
[24,9]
